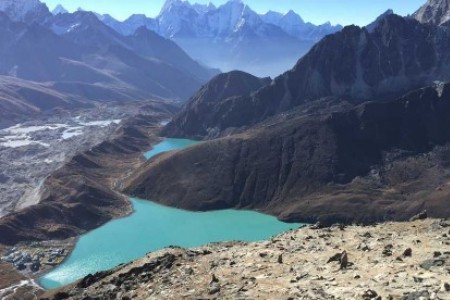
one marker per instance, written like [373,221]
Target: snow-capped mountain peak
[293,18]
[169,5]
[436,12]
[204,8]
[272,17]
[59,9]
[183,19]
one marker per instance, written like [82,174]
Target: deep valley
[134,152]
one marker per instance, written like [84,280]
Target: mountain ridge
[436,12]
[330,166]
[77,55]
[353,64]
[231,32]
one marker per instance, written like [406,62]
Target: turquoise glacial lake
[153,227]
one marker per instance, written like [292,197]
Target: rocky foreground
[388,261]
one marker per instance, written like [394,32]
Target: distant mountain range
[80,57]
[231,36]
[354,64]
[355,132]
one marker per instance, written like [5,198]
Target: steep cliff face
[435,12]
[188,123]
[396,56]
[370,163]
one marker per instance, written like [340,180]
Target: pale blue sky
[360,12]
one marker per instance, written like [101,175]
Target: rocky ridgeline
[388,261]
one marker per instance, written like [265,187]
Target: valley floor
[408,260]
[31,151]
[51,143]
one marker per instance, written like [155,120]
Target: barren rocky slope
[81,195]
[74,60]
[21,98]
[376,162]
[399,261]
[189,121]
[396,56]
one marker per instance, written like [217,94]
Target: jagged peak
[18,10]
[171,3]
[204,8]
[234,3]
[273,13]
[138,17]
[436,12]
[59,9]
[375,23]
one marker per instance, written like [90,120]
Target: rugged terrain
[231,36]
[32,150]
[378,161]
[188,122]
[434,12]
[71,61]
[59,180]
[354,132]
[353,64]
[387,261]
[80,196]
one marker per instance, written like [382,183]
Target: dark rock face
[335,167]
[435,12]
[371,27]
[396,56]
[189,121]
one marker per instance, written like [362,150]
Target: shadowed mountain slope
[398,55]
[199,107]
[375,162]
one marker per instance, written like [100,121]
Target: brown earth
[376,162]
[81,195]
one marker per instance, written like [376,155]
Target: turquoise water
[169,145]
[153,227]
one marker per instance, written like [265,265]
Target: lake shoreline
[385,259]
[154,141]
[165,145]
